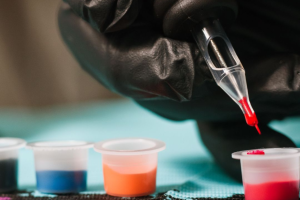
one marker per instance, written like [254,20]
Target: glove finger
[136,62]
[107,15]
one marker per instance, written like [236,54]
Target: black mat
[161,196]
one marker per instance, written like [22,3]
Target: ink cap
[59,145]
[61,166]
[9,147]
[9,151]
[269,153]
[275,168]
[129,165]
[9,143]
[129,146]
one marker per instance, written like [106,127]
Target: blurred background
[62,102]
[36,68]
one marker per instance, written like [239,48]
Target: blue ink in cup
[61,181]
[61,166]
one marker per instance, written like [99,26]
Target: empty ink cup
[129,165]
[272,174]
[9,150]
[61,166]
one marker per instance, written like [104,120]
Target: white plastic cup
[129,165]
[61,166]
[272,176]
[9,151]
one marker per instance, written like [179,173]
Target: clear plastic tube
[224,65]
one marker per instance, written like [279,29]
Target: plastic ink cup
[9,150]
[273,175]
[61,166]
[129,165]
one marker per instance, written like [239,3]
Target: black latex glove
[125,46]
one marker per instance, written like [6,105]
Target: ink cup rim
[270,153]
[125,146]
[10,143]
[59,145]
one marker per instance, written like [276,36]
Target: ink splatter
[256,152]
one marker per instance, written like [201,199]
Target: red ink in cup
[270,174]
[287,190]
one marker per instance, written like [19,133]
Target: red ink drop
[250,116]
[285,190]
[256,152]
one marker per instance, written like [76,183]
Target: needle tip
[256,126]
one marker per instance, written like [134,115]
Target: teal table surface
[184,165]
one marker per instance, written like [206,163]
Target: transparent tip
[224,65]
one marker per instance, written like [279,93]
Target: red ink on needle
[256,152]
[250,116]
[257,128]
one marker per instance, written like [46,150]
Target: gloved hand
[132,48]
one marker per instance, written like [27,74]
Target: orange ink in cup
[129,185]
[129,165]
